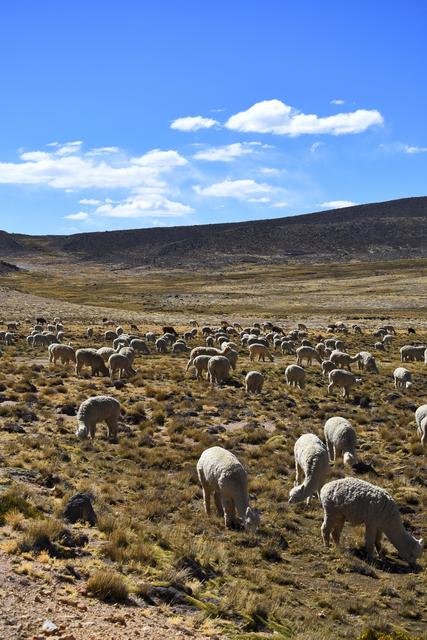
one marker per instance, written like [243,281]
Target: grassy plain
[152,528]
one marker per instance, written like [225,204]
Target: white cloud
[100,151]
[240,189]
[72,170]
[274,116]
[339,101]
[409,149]
[90,201]
[144,206]
[160,159]
[261,200]
[270,171]
[69,148]
[315,146]
[227,153]
[280,205]
[193,123]
[81,215]
[337,204]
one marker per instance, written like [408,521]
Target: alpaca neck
[308,487]
[397,534]
[242,503]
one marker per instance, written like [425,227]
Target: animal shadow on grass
[383,563]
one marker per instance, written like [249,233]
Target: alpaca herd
[220,473]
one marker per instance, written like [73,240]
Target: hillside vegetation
[384,230]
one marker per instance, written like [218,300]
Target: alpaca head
[413,551]
[349,458]
[297,494]
[252,519]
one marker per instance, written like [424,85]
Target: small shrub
[11,501]
[108,585]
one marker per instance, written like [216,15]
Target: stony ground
[185,574]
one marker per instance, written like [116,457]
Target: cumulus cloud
[261,200]
[410,149]
[279,205]
[193,123]
[160,159]
[89,201]
[274,116]
[72,170]
[144,206]
[239,189]
[271,171]
[100,151]
[337,204]
[69,148]
[227,153]
[81,215]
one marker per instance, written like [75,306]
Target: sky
[128,114]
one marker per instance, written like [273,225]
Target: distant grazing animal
[311,458]
[62,352]
[140,346]
[411,330]
[180,347]
[170,330]
[98,409]
[206,351]
[223,475]
[343,379]
[200,363]
[341,439]
[421,420]
[90,358]
[343,360]
[309,354]
[295,376]
[359,502]
[367,362]
[89,332]
[402,378]
[119,362]
[261,351]
[410,352]
[254,382]
[105,353]
[218,369]
[327,367]
[161,345]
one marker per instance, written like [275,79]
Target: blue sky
[134,114]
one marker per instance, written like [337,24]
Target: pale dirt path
[25,604]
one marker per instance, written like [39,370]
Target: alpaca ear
[421,542]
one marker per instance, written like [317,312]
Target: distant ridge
[383,230]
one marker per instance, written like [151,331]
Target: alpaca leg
[229,516]
[337,530]
[370,538]
[330,450]
[330,387]
[112,428]
[378,544]
[207,500]
[326,530]
[297,472]
[218,504]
